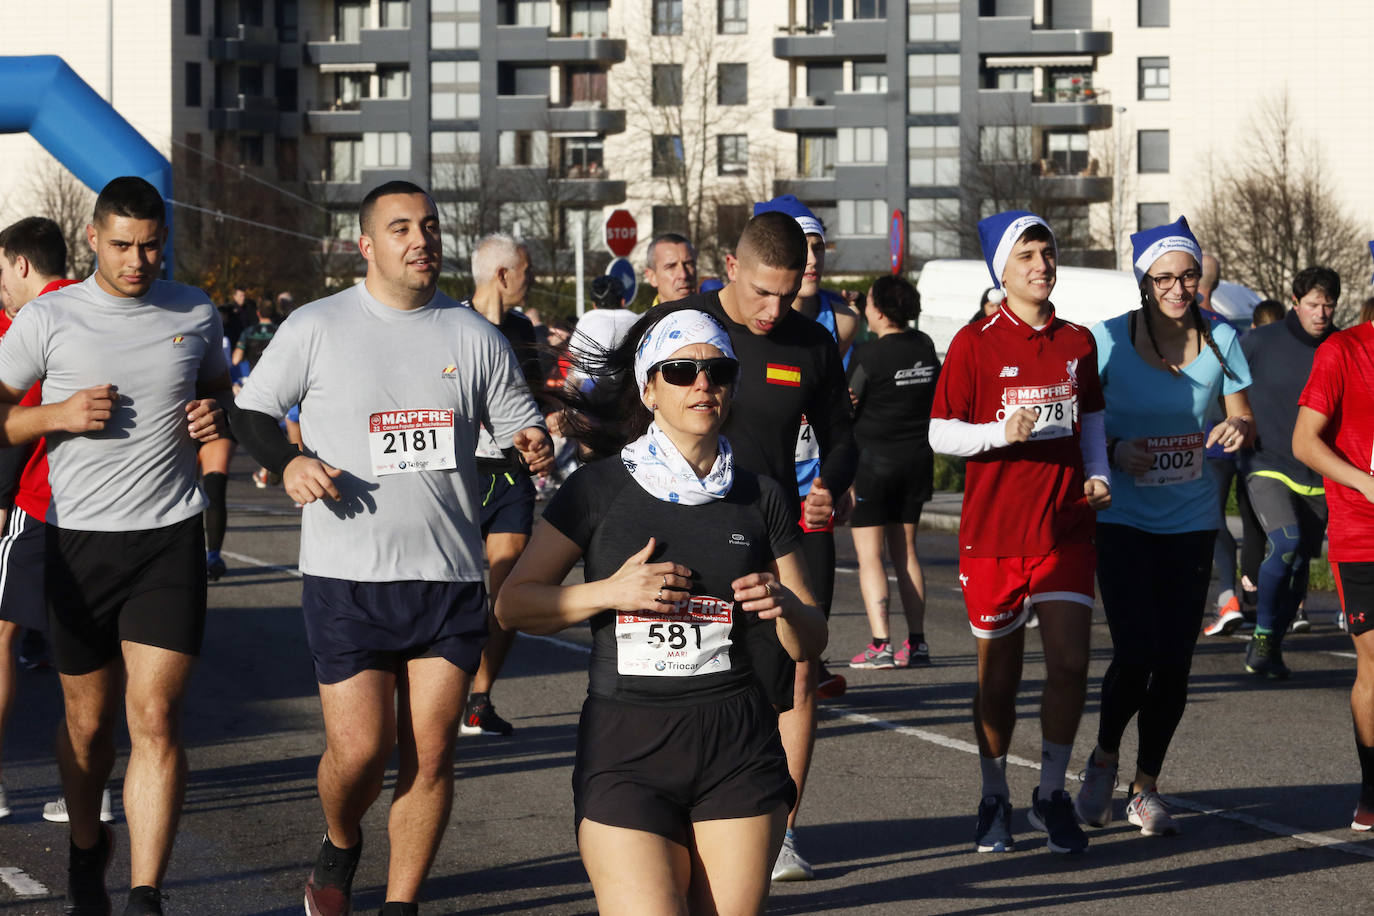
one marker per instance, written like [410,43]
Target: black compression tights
[216,514]
[818,549]
[1154,588]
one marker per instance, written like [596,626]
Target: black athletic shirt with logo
[893,378]
[611,517]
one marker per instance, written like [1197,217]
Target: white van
[1084,295]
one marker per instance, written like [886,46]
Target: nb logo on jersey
[1009,372]
[449,372]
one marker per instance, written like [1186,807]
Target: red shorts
[828,526]
[998,591]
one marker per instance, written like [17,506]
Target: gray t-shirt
[374,384]
[140,471]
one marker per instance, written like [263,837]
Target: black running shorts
[662,768]
[1355,585]
[507,503]
[360,626]
[21,571]
[890,489]
[105,587]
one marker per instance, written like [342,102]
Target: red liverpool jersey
[1027,498]
[1341,388]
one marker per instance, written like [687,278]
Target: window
[732,84]
[350,89]
[349,16]
[870,9]
[386,150]
[1153,13]
[862,145]
[667,155]
[932,83]
[1004,144]
[730,220]
[192,17]
[932,227]
[670,219]
[454,158]
[667,84]
[933,21]
[288,21]
[395,14]
[583,157]
[823,81]
[1147,216]
[732,154]
[393,83]
[250,12]
[250,149]
[589,17]
[286,89]
[932,156]
[863,217]
[1154,79]
[1013,79]
[454,90]
[192,84]
[1153,147]
[288,158]
[732,17]
[523,147]
[667,17]
[536,13]
[820,13]
[250,80]
[816,154]
[587,87]
[870,76]
[443,34]
[1066,153]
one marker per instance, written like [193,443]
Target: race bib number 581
[410,441]
[693,638]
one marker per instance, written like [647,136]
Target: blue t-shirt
[1170,412]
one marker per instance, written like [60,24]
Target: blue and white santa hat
[1152,244]
[788,203]
[999,232]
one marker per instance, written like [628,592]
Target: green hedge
[949,473]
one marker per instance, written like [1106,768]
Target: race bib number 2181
[410,441]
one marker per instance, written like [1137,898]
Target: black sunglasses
[720,370]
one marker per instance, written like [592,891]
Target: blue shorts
[360,626]
[22,553]
[507,503]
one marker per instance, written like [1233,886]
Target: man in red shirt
[1020,398]
[33,259]
[1334,436]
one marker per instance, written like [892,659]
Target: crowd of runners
[695,459]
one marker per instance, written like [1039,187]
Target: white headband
[680,329]
[1160,248]
[1009,236]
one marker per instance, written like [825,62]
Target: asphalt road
[1263,777]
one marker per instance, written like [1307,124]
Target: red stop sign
[621,233]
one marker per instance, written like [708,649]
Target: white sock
[994,776]
[1054,764]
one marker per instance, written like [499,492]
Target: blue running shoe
[994,825]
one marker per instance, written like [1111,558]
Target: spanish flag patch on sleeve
[779,374]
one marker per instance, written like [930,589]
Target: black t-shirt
[699,653]
[1280,357]
[519,331]
[894,379]
[794,370]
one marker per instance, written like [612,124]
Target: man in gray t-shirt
[123,358]
[394,380]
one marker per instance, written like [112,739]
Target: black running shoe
[1264,657]
[329,890]
[86,894]
[215,569]
[481,719]
[829,685]
[144,901]
[396,908]
[1055,816]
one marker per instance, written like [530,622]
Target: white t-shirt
[140,471]
[394,399]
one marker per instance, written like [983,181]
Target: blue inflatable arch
[46,98]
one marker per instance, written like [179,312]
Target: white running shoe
[4,803]
[1146,810]
[790,865]
[1094,803]
[56,811]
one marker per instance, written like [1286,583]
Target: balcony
[532,112]
[378,46]
[845,39]
[808,189]
[534,44]
[247,112]
[579,191]
[1017,35]
[253,44]
[805,115]
[1014,106]
[1093,189]
[351,193]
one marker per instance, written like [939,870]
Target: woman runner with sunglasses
[692,567]
[1162,367]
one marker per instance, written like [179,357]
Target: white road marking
[21,883]
[261,564]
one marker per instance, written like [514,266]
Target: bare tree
[52,191]
[1270,211]
[1117,148]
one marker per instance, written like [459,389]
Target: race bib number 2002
[410,441]
[692,638]
[1173,459]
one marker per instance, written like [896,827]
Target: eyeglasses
[720,370]
[1165,282]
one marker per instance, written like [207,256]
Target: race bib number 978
[1053,406]
[410,441]
[690,639]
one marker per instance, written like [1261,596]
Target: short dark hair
[1367,310]
[383,190]
[1267,311]
[896,299]
[267,308]
[775,239]
[132,197]
[667,238]
[39,241]
[1322,278]
[1038,232]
